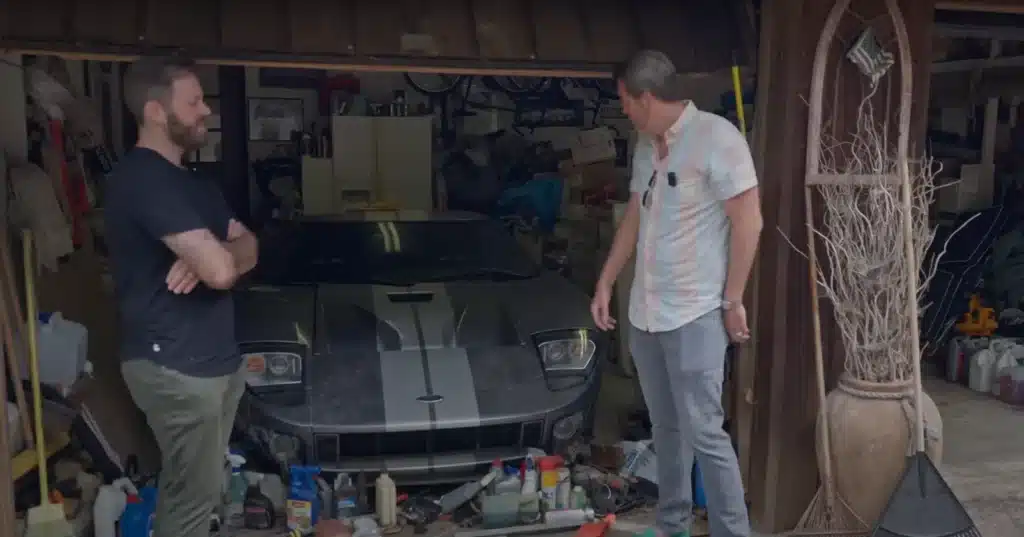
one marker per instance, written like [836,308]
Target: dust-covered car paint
[429,379]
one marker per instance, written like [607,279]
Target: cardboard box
[973,192]
[593,145]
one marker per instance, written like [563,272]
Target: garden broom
[47,519]
[828,514]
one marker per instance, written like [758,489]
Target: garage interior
[444,108]
[532,136]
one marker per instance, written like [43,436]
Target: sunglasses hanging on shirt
[673,180]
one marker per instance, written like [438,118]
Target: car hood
[387,357]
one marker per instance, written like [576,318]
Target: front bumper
[423,456]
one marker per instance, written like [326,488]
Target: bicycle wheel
[517,85]
[433,84]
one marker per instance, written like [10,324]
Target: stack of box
[586,226]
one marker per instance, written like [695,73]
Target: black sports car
[426,344]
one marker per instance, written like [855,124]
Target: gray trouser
[191,418]
[684,399]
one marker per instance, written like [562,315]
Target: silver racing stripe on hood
[429,381]
[452,379]
[402,381]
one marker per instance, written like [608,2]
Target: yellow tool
[737,89]
[47,519]
[978,321]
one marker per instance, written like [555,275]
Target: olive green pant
[191,418]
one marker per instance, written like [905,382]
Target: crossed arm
[218,264]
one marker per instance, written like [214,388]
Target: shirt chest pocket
[691,188]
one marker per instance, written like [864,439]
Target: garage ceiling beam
[699,35]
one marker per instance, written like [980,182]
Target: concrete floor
[983,456]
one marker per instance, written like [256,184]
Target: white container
[982,370]
[15,442]
[387,499]
[63,352]
[1010,356]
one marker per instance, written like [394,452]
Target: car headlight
[570,351]
[272,369]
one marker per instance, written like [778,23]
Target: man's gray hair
[650,71]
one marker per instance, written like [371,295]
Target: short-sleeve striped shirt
[683,242]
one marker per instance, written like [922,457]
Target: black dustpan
[923,505]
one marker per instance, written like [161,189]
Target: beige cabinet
[384,160]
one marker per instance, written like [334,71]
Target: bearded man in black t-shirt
[176,250]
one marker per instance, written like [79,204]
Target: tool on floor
[828,513]
[590,529]
[922,505]
[47,519]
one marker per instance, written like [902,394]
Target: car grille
[335,448]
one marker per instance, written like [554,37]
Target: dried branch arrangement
[864,270]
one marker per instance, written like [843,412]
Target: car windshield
[390,252]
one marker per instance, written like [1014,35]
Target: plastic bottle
[568,517]
[549,480]
[259,509]
[563,494]
[346,504]
[137,519]
[303,503]
[387,500]
[499,473]
[529,476]
[110,504]
[234,512]
[579,498]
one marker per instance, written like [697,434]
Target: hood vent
[411,297]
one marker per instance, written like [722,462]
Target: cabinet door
[404,151]
[355,158]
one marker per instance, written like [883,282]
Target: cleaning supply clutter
[234,504]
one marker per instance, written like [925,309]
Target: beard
[188,137]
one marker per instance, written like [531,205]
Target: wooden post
[782,475]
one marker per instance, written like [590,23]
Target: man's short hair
[650,71]
[150,78]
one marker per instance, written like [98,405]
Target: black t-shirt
[146,198]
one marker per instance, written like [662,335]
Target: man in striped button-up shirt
[694,219]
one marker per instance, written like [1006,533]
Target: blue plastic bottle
[699,498]
[303,503]
[137,519]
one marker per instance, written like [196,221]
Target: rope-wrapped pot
[871,427]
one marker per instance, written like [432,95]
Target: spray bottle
[234,512]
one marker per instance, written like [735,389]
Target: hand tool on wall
[14,344]
[47,519]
